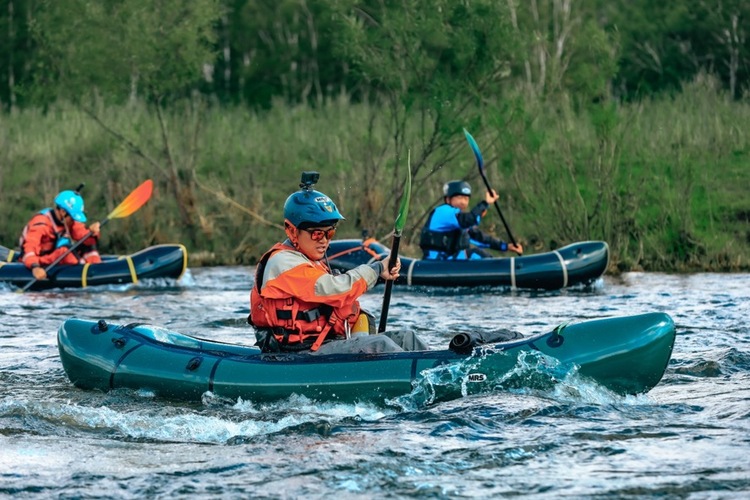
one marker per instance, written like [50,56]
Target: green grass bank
[664,182]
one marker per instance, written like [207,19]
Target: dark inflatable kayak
[626,354]
[159,261]
[576,264]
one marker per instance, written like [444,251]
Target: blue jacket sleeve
[484,240]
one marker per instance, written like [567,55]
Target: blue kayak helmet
[71,202]
[453,188]
[310,208]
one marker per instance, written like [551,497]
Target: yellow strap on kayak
[184,261]
[84,273]
[10,255]
[133,275]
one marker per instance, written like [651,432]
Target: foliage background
[620,120]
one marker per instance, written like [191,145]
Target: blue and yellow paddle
[480,165]
[398,228]
[135,200]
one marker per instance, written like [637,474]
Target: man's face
[314,241]
[460,201]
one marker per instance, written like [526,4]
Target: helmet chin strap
[64,222]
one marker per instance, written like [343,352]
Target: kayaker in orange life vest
[51,232]
[297,303]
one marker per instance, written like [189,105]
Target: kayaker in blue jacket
[450,233]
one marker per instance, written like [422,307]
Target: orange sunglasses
[319,234]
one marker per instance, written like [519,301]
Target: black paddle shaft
[507,227]
[389,284]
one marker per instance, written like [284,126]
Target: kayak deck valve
[100,326]
[194,363]
[120,343]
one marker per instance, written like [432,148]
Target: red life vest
[54,232]
[295,321]
[41,241]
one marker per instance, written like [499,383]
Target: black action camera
[309,179]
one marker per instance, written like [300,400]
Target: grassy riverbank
[664,182]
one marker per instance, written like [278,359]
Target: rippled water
[689,437]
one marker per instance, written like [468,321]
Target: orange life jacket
[44,234]
[53,232]
[295,322]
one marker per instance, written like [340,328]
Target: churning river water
[687,438]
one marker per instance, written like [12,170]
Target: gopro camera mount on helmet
[308,180]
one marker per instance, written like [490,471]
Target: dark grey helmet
[452,188]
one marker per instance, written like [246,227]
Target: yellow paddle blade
[134,201]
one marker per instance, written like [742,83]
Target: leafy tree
[435,66]
[17,48]
[665,44]
[278,49]
[565,70]
[127,50]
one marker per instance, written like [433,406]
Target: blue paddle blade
[475,148]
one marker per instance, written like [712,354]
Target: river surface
[687,438]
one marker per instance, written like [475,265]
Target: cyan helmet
[310,208]
[452,188]
[71,202]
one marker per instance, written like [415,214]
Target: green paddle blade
[403,210]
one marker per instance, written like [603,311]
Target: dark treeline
[592,116]
[296,50]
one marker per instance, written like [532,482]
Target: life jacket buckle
[310,315]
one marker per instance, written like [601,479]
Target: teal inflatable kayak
[626,354]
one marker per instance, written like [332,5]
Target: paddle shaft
[398,228]
[480,164]
[500,213]
[389,283]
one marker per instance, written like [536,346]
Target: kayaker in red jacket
[296,303]
[52,231]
